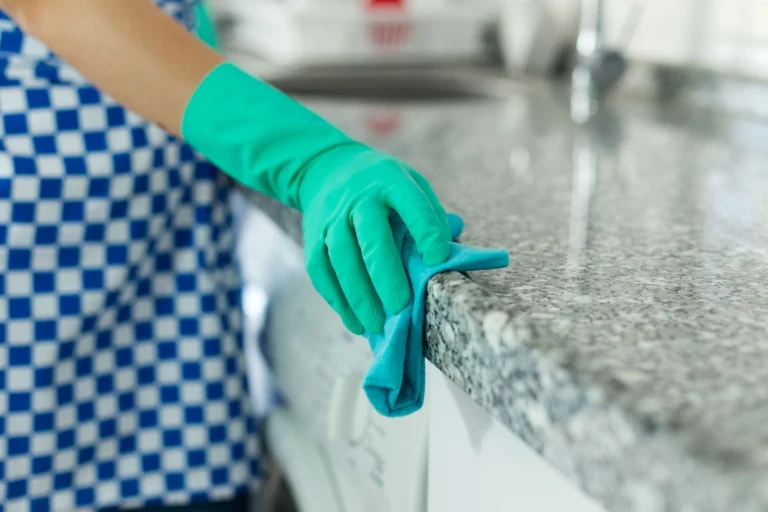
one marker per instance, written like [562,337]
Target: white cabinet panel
[478,464]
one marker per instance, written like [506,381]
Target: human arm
[128,48]
[347,191]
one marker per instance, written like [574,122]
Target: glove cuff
[255,133]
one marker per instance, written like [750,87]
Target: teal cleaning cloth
[395,381]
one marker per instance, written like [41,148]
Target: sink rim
[400,84]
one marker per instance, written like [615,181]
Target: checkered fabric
[122,379]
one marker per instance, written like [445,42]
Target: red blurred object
[385,122]
[389,34]
[375,4]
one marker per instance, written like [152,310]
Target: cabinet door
[476,463]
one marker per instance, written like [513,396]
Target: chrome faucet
[591,40]
[597,69]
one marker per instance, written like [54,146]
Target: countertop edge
[486,347]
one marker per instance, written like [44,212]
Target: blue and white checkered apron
[122,380]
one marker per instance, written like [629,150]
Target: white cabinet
[478,464]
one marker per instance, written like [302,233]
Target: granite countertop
[628,340]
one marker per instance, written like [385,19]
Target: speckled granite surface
[628,341]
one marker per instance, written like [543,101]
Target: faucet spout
[597,69]
[591,40]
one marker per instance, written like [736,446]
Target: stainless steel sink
[382,84]
[399,83]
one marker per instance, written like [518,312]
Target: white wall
[723,35]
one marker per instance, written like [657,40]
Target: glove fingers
[381,256]
[424,224]
[433,199]
[351,273]
[324,280]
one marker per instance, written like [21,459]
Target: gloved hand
[347,197]
[346,190]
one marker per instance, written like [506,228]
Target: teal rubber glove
[346,190]
[206,29]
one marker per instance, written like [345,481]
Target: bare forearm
[128,48]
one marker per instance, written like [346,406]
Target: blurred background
[537,36]
[396,49]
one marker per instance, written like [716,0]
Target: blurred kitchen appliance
[307,32]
